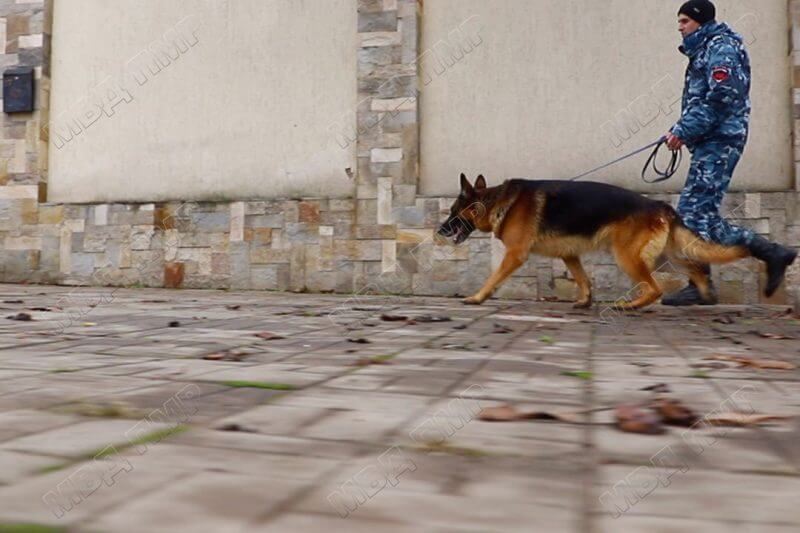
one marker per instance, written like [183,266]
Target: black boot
[777,257]
[690,295]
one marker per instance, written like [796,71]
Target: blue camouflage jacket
[716,97]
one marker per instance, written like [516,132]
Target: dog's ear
[466,186]
[480,183]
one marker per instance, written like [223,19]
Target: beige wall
[538,96]
[241,112]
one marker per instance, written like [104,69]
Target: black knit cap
[701,11]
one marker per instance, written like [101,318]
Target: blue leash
[662,175]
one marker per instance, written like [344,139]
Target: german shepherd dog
[568,219]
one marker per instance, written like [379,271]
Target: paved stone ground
[207,427]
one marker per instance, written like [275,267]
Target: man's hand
[673,142]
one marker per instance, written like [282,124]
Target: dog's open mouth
[460,235]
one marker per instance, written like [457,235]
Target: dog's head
[466,212]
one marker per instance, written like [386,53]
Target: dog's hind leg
[584,285]
[636,256]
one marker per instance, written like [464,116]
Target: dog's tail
[685,244]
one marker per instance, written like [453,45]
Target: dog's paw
[472,300]
[583,305]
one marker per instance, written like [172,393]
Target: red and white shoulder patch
[720,74]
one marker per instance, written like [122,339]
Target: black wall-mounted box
[18,90]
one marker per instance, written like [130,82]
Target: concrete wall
[540,96]
[381,240]
[239,105]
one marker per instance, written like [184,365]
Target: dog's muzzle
[457,228]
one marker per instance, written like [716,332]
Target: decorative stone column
[388,132]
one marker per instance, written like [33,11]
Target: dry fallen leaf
[21,317]
[503,413]
[508,413]
[743,419]
[634,419]
[762,364]
[225,356]
[393,318]
[658,387]
[237,428]
[674,413]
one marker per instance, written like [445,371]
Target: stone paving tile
[354,425]
[266,443]
[187,458]
[207,501]
[706,495]
[15,466]
[637,524]
[264,373]
[446,512]
[53,499]
[79,439]
[25,421]
[321,523]
[260,459]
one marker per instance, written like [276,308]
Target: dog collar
[498,214]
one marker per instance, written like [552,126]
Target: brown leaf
[225,356]
[233,307]
[633,419]
[658,387]
[508,413]
[674,413]
[742,419]
[503,413]
[360,340]
[393,318]
[267,336]
[21,317]
[761,364]
[237,428]
[500,328]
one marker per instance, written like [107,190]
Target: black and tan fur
[568,219]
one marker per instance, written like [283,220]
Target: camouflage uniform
[714,126]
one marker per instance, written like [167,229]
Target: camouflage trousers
[709,177]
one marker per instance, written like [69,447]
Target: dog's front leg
[513,259]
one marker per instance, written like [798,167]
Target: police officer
[714,127]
